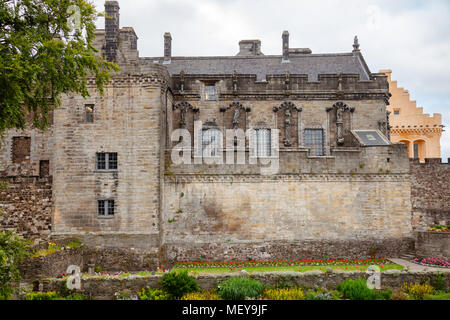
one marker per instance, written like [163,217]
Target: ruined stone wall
[26,206]
[430,194]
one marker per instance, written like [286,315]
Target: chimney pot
[167,48]
[285,51]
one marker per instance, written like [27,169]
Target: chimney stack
[112,30]
[285,38]
[167,48]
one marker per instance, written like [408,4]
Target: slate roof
[310,64]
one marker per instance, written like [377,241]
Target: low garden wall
[433,244]
[112,259]
[99,288]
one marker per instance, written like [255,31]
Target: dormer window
[210,91]
[396,112]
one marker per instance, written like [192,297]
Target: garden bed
[432,262]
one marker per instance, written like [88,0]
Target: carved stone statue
[236,116]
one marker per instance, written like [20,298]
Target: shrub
[53,296]
[240,289]
[284,294]
[356,290]
[417,291]
[98,269]
[209,295]
[178,283]
[439,283]
[153,294]
[399,294]
[13,250]
[43,296]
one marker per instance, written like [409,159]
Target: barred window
[314,142]
[210,92]
[106,208]
[262,142]
[211,143]
[89,110]
[107,161]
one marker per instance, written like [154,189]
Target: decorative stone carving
[356,45]
[288,107]
[287,81]
[235,82]
[183,107]
[388,125]
[182,80]
[341,108]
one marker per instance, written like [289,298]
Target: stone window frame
[107,162]
[210,84]
[314,128]
[106,207]
[253,129]
[89,116]
[13,139]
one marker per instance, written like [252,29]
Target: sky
[410,37]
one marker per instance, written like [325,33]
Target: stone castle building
[340,187]
[420,132]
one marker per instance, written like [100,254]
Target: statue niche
[184,116]
[341,126]
[235,117]
[287,123]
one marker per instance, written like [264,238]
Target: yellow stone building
[420,132]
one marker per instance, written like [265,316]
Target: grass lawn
[290,269]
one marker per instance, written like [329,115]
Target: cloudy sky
[411,37]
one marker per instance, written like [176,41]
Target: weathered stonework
[351,199]
[26,206]
[430,194]
[433,244]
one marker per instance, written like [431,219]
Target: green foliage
[13,250]
[98,269]
[240,289]
[438,296]
[153,294]
[43,296]
[53,296]
[284,294]
[417,291]
[42,56]
[356,290]
[178,283]
[207,295]
[439,283]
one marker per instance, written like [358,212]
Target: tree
[13,250]
[46,49]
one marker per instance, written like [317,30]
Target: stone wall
[26,206]
[129,121]
[219,217]
[109,259]
[433,244]
[104,289]
[430,193]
